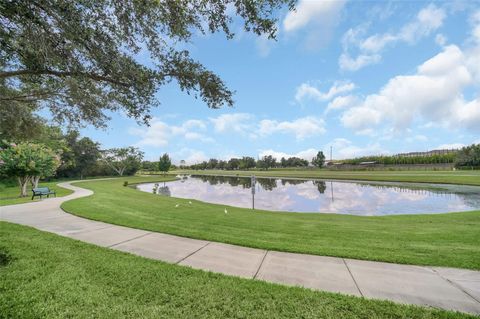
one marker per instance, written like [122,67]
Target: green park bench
[41,191]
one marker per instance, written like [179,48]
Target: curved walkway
[447,288]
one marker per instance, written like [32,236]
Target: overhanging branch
[91,75]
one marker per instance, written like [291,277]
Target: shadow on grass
[5,257]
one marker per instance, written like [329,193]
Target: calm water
[355,198]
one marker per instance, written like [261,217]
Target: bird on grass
[226,212]
[177,205]
[190,202]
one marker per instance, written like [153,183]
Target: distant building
[368,163]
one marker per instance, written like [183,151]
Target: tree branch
[91,75]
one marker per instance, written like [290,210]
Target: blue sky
[364,77]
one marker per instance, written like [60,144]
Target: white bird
[190,202]
[177,205]
[226,212]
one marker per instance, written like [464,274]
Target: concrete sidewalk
[447,288]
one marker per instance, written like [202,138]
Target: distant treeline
[467,157]
[402,160]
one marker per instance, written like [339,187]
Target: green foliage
[164,163]
[78,58]
[149,166]
[233,163]
[319,160]
[212,163]
[18,122]
[404,160]
[125,183]
[266,162]
[126,160]
[468,156]
[28,159]
[247,162]
[28,162]
[85,153]
[293,162]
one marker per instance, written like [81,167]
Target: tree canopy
[123,160]
[164,163]
[319,159]
[28,162]
[468,156]
[80,58]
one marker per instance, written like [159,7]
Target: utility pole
[331,148]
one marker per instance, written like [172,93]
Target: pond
[322,196]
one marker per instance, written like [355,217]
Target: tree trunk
[34,180]
[23,182]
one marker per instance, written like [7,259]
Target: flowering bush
[28,162]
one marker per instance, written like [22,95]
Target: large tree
[247,162]
[319,159]
[266,162]
[28,162]
[164,163]
[80,58]
[468,156]
[123,160]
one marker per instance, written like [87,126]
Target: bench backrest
[41,190]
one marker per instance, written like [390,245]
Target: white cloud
[308,11]
[433,93]
[306,154]
[308,91]
[246,124]
[341,102]
[427,21]
[417,138]
[377,42]
[234,122]
[190,156]
[301,128]
[264,45]
[346,62]
[344,148]
[440,39]
[160,133]
[475,21]
[314,22]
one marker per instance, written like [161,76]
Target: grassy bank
[47,276]
[444,177]
[9,195]
[451,240]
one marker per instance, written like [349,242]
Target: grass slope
[47,276]
[451,240]
[444,177]
[9,195]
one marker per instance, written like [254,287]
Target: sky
[365,78]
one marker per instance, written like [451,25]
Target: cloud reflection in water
[355,198]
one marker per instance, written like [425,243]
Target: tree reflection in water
[301,195]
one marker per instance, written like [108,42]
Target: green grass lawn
[9,195]
[451,240]
[466,177]
[47,276]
